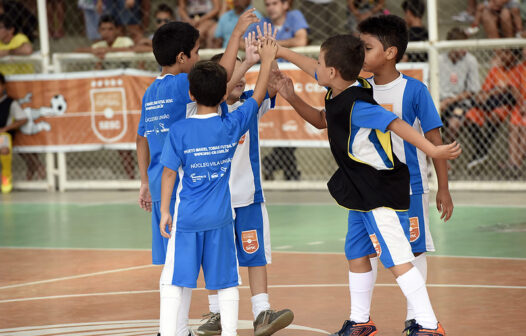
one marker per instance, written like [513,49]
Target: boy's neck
[340,85]
[415,22]
[280,21]
[202,109]
[171,70]
[386,74]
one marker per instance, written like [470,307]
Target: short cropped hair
[208,83]
[165,9]
[217,57]
[171,39]
[345,53]
[390,30]
[416,7]
[106,18]
[9,22]
[456,33]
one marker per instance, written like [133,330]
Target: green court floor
[488,231]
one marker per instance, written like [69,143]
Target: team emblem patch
[250,241]
[242,139]
[376,244]
[414,229]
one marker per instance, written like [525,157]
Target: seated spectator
[91,10]
[500,18]
[202,14]
[22,18]
[362,9]
[517,137]
[459,81]
[228,21]
[12,117]
[163,14]
[13,42]
[133,15]
[414,11]
[492,105]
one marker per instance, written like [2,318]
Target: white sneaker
[463,16]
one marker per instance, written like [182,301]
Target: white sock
[184,310]
[360,286]
[259,303]
[420,263]
[229,309]
[170,302]
[414,288]
[213,303]
[374,266]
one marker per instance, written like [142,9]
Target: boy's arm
[167,187]
[267,52]
[305,63]
[228,61]
[444,202]
[409,134]
[251,58]
[143,160]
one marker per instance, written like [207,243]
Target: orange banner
[90,110]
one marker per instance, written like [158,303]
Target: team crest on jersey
[242,139]
[250,241]
[376,244]
[414,229]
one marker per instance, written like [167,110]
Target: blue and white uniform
[200,149]
[251,221]
[410,100]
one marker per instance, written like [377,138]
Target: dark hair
[217,57]
[165,9]
[106,18]
[416,7]
[345,53]
[24,21]
[207,83]
[456,33]
[171,39]
[8,22]
[2,78]
[390,30]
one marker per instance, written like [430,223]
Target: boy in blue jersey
[370,181]
[175,47]
[252,230]
[385,39]
[199,150]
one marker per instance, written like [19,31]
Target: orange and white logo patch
[376,244]
[242,139]
[388,107]
[414,229]
[250,241]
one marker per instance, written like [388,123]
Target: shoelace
[412,328]
[212,317]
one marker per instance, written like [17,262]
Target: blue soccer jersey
[410,100]
[200,149]
[164,102]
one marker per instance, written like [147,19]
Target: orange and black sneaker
[415,329]
[351,328]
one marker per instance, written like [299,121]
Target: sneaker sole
[280,323]
[207,332]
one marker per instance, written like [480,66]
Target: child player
[251,223]
[385,40]
[371,182]
[199,150]
[175,47]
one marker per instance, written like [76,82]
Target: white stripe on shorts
[430,246]
[390,228]
[266,233]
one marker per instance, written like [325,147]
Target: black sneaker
[270,321]
[211,327]
[356,329]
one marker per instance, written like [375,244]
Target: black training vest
[356,185]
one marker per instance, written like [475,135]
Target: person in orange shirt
[492,105]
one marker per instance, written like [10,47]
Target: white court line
[76,276]
[247,287]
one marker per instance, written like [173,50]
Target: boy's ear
[332,72]
[181,57]
[391,52]
[192,98]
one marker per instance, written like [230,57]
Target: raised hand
[267,32]
[245,20]
[286,89]
[267,50]
[448,152]
[251,49]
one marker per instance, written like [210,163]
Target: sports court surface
[78,263]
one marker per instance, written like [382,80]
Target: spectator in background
[202,14]
[492,104]
[163,14]
[362,9]
[228,21]
[459,81]
[22,18]
[55,17]
[322,18]
[414,11]
[13,42]
[133,15]
[500,18]
[467,15]
[91,10]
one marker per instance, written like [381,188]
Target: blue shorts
[382,231]
[215,250]
[420,235]
[159,243]
[252,235]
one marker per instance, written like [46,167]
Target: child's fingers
[260,35]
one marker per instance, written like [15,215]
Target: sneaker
[409,323]
[270,321]
[7,185]
[416,329]
[477,162]
[212,326]
[356,329]
[463,16]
